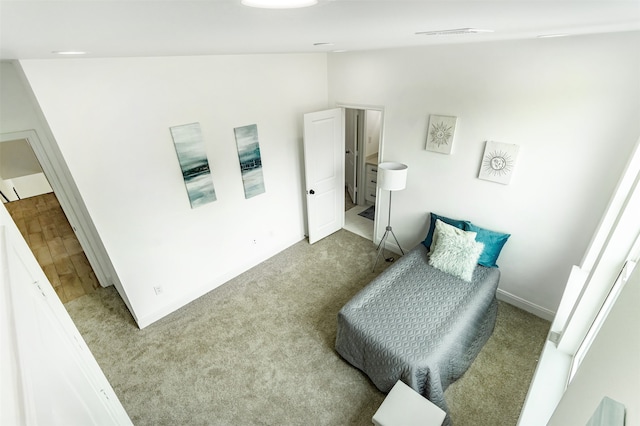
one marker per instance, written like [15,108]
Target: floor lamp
[391,177]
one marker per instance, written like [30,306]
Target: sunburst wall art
[440,133]
[498,162]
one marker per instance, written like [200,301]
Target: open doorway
[20,173]
[36,211]
[363,136]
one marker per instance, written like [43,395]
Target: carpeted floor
[259,350]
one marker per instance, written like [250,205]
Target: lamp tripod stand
[381,245]
[391,177]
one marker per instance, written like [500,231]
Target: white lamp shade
[392,176]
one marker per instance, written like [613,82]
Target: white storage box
[405,407]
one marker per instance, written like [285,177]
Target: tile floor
[47,231]
[355,223]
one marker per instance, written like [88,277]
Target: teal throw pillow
[493,243]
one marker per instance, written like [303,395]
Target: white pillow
[455,251]
[449,229]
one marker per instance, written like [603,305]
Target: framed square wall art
[194,164]
[440,133]
[498,162]
[250,159]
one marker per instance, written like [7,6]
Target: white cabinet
[371,183]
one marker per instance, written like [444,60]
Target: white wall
[111,119]
[571,104]
[21,118]
[372,132]
[25,186]
[17,159]
[20,171]
[611,367]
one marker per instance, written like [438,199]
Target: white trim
[601,317]
[525,305]
[545,393]
[614,240]
[620,241]
[572,290]
[378,228]
[359,106]
[390,245]
[66,202]
[189,297]
[616,205]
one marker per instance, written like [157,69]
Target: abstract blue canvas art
[250,160]
[194,164]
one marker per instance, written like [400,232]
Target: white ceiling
[110,28]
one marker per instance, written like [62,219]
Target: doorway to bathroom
[363,137]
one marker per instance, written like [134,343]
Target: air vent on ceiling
[455,31]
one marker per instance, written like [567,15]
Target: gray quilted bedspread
[418,324]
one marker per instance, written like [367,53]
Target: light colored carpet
[259,349]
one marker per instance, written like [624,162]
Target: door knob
[312,192]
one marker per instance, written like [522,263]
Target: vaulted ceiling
[110,28]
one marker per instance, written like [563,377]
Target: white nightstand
[405,407]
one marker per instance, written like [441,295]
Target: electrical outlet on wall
[158,290]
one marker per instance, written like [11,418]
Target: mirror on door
[363,128]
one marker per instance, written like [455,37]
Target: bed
[418,323]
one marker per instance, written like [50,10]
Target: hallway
[46,229]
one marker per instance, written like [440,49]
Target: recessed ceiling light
[69,52]
[279,4]
[455,31]
[552,35]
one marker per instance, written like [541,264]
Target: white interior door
[49,374]
[324,172]
[351,153]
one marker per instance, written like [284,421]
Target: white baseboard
[390,245]
[525,305]
[177,304]
[218,281]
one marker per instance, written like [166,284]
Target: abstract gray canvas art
[194,164]
[250,160]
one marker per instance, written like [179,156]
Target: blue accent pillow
[493,242]
[460,224]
